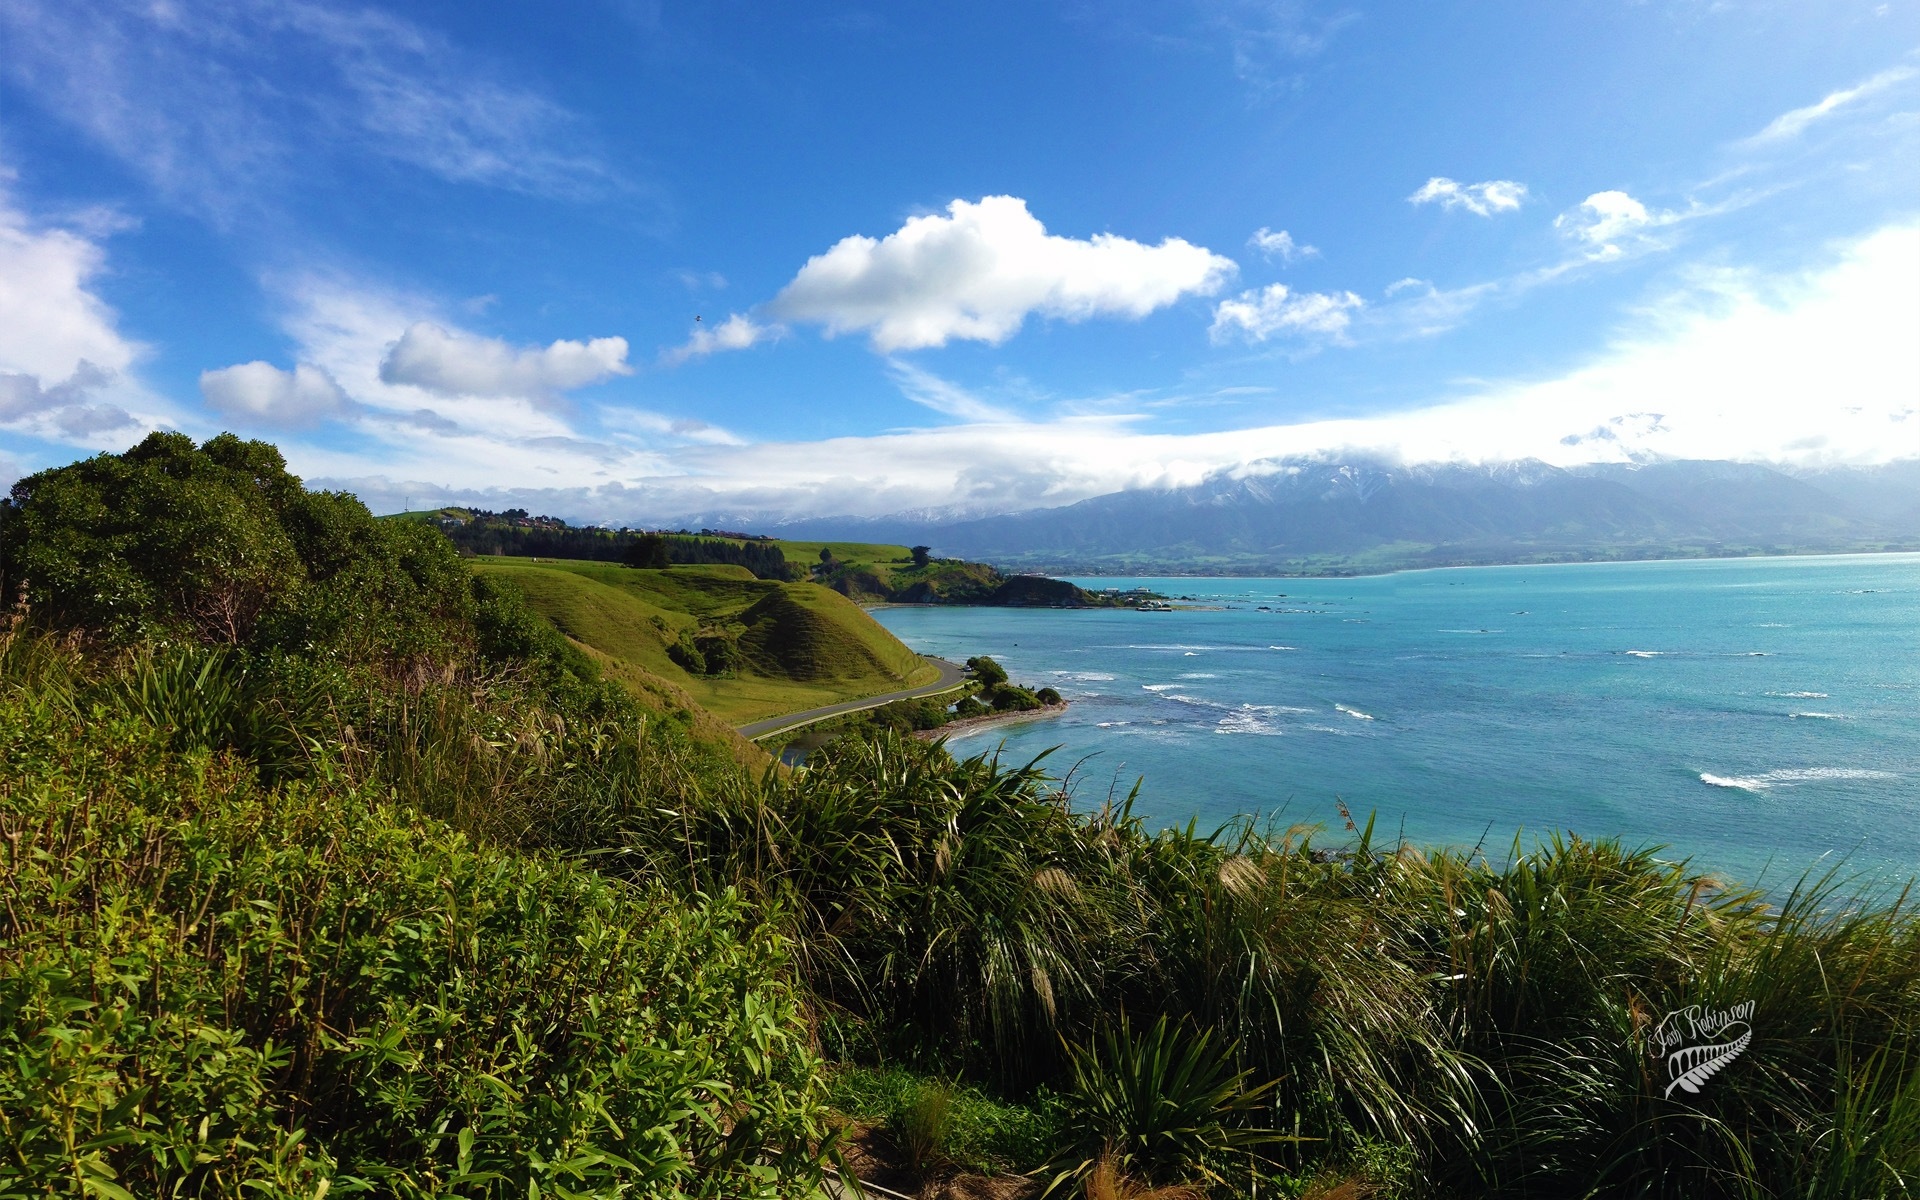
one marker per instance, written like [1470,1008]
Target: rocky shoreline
[969,724]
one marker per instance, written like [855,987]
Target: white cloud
[455,363]
[1610,223]
[1279,244]
[1809,368]
[737,332]
[658,427]
[943,396]
[1271,311]
[350,329]
[65,367]
[977,272]
[1793,123]
[1480,199]
[263,392]
[50,317]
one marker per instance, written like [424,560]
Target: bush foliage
[210,986]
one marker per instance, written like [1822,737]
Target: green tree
[168,536]
[990,673]
[221,544]
[922,555]
[648,551]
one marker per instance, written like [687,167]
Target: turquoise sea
[1758,715]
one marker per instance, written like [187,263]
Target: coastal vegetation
[332,866]
[987,695]
[515,534]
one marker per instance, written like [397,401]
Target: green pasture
[806,645]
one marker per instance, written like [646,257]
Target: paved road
[952,676]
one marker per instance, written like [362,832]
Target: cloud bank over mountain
[1813,368]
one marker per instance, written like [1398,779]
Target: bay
[1756,715]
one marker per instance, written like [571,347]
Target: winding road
[952,677]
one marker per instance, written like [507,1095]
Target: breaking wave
[1772,779]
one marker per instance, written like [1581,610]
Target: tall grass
[1496,1017]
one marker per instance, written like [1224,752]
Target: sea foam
[1771,779]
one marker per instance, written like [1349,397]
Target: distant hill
[868,572]
[741,648]
[890,574]
[1358,514]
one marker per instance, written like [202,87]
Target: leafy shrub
[219,543]
[719,650]
[1009,698]
[686,655]
[1048,696]
[1164,1104]
[208,988]
[989,673]
[952,904]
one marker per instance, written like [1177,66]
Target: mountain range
[1339,515]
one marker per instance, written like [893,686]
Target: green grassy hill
[874,555]
[874,573]
[800,644]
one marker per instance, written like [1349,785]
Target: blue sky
[630,262]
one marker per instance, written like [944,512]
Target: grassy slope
[806,646]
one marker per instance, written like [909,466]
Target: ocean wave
[1283,647]
[1643,653]
[1770,779]
[1199,675]
[1085,676]
[1799,695]
[1773,625]
[1247,721]
[1823,716]
[1196,701]
[1111,724]
[1158,687]
[1354,713]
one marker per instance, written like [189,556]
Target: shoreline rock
[967,724]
